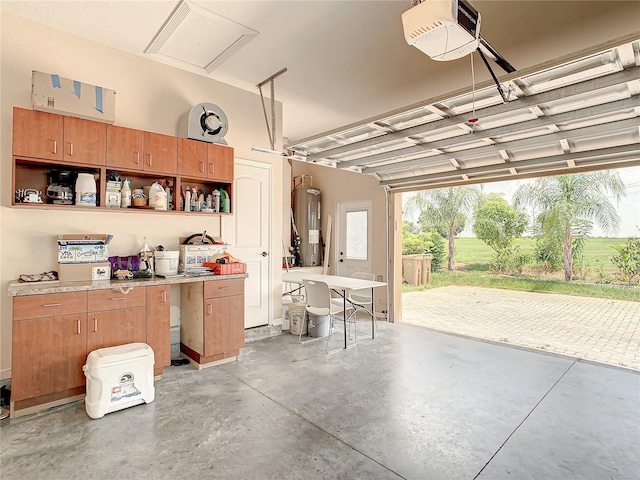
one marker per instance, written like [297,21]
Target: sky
[628,208]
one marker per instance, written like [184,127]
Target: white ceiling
[345,60]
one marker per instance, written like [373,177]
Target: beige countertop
[19,289]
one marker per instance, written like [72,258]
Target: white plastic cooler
[118,377]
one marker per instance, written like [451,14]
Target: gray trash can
[319,325]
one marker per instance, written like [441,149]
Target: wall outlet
[379,278]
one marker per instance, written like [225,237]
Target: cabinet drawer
[223,288]
[112,299]
[53,304]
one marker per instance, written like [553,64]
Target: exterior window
[357,228]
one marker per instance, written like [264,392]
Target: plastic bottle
[167,190]
[194,199]
[86,190]
[155,194]
[187,200]
[201,200]
[125,194]
[209,202]
[225,201]
[161,200]
[216,201]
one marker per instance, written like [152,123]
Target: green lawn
[597,251]
[472,258]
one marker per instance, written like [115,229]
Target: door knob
[341,260]
[264,254]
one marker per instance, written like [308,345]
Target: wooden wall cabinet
[43,142]
[135,150]
[54,137]
[212,321]
[219,163]
[84,141]
[192,158]
[37,134]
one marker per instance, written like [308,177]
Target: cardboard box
[83,248]
[114,195]
[55,94]
[195,255]
[84,272]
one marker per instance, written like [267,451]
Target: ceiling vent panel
[198,37]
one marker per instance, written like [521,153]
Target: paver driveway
[595,329]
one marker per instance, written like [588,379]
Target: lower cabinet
[54,333]
[212,320]
[159,325]
[48,354]
[116,318]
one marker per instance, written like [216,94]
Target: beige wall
[149,96]
[340,185]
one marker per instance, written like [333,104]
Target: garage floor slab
[412,404]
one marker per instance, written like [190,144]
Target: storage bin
[166,262]
[318,325]
[118,377]
[295,315]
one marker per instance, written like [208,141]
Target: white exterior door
[354,237]
[248,233]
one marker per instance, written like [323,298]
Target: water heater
[306,214]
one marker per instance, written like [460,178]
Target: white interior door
[248,233]
[354,237]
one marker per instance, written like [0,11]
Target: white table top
[332,281]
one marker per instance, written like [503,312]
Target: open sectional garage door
[574,115]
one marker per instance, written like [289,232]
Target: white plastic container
[125,194]
[86,190]
[155,192]
[160,200]
[118,377]
[166,262]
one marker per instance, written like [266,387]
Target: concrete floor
[413,404]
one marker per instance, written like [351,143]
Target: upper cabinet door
[160,153]
[37,134]
[192,158]
[220,163]
[85,141]
[124,147]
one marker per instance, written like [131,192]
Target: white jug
[154,192]
[86,190]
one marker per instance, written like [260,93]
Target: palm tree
[444,206]
[570,204]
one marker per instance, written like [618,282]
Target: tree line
[567,209]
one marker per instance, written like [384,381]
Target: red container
[227,268]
